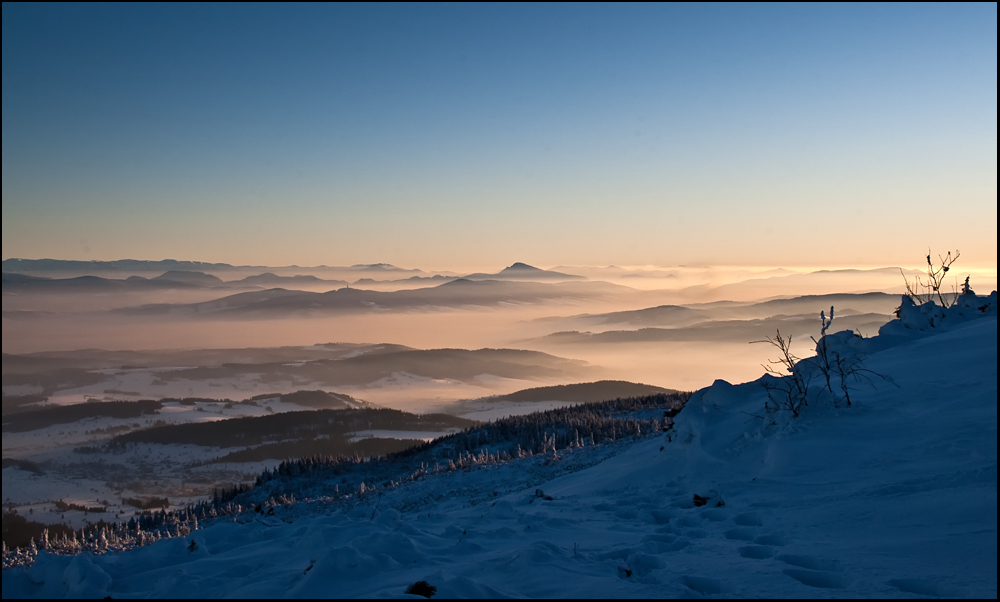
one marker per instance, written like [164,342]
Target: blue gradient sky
[465,136]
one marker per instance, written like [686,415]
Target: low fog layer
[154,382]
[652,325]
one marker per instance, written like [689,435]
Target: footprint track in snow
[761,546]
[813,572]
[923,587]
[748,519]
[809,562]
[705,586]
[770,540]
[817,579]
[746,529]
[741,534]
[715,515]
[757,552]
[807,570]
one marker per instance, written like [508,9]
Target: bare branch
[936,275]
[789,392]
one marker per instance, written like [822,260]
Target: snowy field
[99,478]
[185,474]
[894,496]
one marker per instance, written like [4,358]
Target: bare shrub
[785,392]
[922,291]
[836,361]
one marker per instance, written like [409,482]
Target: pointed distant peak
[522,267]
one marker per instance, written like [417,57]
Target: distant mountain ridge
[119,265]
[18,265]
[39,284]
[269,279]
[436,278]
[190,277]
[170,279]
[385,267]
[67,267]
[686,316]
[457,293]
[523,271]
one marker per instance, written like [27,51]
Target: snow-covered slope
[893,496]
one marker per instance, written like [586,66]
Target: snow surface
[895,496]
[181,473]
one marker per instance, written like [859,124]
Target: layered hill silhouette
[516,272]
[583,392]
[99,359]
[269,293]
[523,271]
[379,267]
[878,306]
[333,366]
[435,279]
[25,284]
[185,276]
[120,265]
[271,280]
[816,282]
[172,279]
[454,364]
[722,331]
[140,265]
[458,293]
[234,275]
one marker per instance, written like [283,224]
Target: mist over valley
[113,374]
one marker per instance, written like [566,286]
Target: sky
[444,136]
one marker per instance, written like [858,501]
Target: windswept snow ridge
[894,496]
